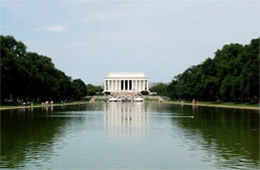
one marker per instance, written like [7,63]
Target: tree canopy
[232,75]
[30,76]
[160,89]
[93,90]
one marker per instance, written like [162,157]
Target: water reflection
[168,136]
[230,136]
[125,119]
[31,134]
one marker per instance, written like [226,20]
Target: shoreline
[166,102]
[38,106]
[215,105]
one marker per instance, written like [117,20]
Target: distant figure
[182,102]
[46,102]
[51,102]
[195,101]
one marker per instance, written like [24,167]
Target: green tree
[30,76]
[80,89]
[232,75]
[160,89]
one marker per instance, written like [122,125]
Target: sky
[89,38]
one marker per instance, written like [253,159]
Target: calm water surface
[130,136]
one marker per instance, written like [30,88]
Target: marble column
[112,85]
[105,85]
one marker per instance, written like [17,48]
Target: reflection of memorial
[125,119]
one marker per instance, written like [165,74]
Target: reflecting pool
[130,136]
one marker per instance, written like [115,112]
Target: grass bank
[8,107]
[233,105]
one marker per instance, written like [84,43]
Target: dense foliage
[160,89]
[33,77]
[94,90]
[144,92]
[232,75]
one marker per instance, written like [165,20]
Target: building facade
[126,82]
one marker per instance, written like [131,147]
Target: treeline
[29,76]
[232,75]
[94,90]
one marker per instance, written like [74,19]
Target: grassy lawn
[234,104]
[151,99]
[14,106]
[101,100]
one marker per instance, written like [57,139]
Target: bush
[144,92]
[107,93]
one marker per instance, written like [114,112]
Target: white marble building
[126,82]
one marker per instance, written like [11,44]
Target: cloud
[50,28]
[56,28]
[170,35]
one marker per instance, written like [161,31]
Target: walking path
[215,105]
[169,102]
[37,106]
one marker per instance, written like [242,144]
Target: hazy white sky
[89,38]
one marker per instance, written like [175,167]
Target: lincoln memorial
[126,82]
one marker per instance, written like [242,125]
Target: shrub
[144,92]
[107,93]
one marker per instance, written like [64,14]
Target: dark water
[130,136]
